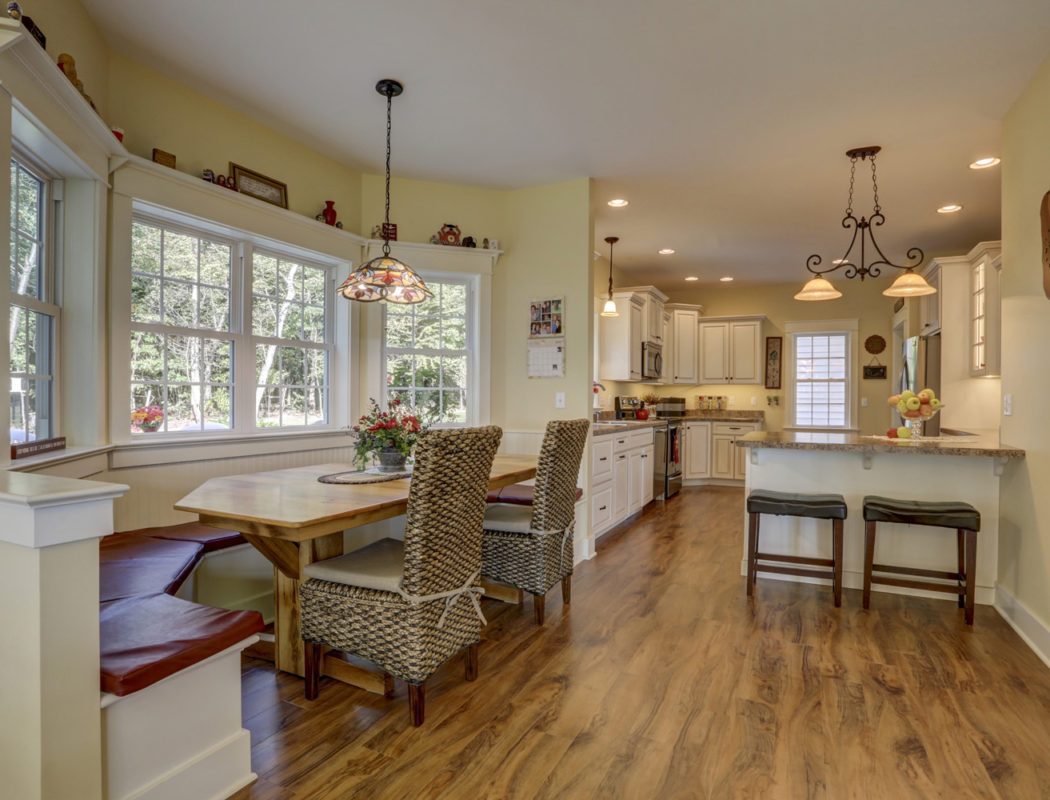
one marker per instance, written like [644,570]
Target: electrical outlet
[1008,405]
[863,402]
[754,401]
[559,399]
[732,401]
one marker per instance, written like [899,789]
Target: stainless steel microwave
[652,360]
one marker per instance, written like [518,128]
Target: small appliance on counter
[626,406]
[671,407]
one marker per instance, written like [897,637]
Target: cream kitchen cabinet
[728,462]
[697,443]
[666,367]
[682,352]
[621,476]
[620,340]
[731,350]
[653,301]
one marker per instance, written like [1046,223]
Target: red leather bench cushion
[212,538]
[518,494]
[131,565]
[146,639]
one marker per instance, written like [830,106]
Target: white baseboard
[1034,632]
[854,579]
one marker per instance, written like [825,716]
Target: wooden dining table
[294,520]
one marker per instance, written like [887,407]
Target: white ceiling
[724,122]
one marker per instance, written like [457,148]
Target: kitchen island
[961,467]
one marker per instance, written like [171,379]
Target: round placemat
[365,476]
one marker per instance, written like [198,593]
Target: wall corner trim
[1034,631]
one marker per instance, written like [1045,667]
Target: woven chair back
[446,506]
[554,498]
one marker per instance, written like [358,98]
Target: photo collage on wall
[546,318]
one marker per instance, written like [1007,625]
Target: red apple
[892,433]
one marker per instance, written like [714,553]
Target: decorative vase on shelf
[329,212]
[391,460]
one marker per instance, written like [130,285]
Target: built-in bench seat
[518,494]
[210,538]
[132,566]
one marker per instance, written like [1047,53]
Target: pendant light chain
[852,174]
[875,185]
[386,218]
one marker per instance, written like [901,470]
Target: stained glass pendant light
[385,277]
[609,310]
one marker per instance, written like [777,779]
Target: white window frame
[243,379]
[472,391]
[851,328]
[51,206]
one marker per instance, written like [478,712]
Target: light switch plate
[1008,405]
[863,402]
[559,399]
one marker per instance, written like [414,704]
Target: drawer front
[601,508]
[733,428]
[601,459]
[621,442]
[641,438]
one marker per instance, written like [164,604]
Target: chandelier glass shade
[385,277]
[909,284]
[609,309]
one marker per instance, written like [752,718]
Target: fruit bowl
[914,408]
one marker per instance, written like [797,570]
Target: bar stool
[790,504]
[962,516]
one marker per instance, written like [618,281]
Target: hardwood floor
[662,680]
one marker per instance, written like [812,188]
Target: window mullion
[244,347]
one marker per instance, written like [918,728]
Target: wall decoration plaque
[774,359]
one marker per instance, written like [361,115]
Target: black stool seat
[793,504]
[958,515]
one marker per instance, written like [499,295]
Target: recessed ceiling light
[984,163]
[725,279]
[618,202]
[692,278]
[951,208]
[667,251]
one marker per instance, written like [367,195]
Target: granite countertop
[979,443]
[726,415]
[606,426]
[610,426]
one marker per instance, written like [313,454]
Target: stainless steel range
[667,475]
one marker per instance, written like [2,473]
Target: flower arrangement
[395,431]
[147,418]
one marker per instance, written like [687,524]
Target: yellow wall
[69,29]
[863,301]
[155,111]
[1024,525]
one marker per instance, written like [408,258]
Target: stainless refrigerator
[921,369]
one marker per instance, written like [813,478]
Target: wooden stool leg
[971,574]
[470,659]
[836,553]
[869,559]
[960,536]
[538,608]
[752,549]
[566,590]
[416,700]
[312,653]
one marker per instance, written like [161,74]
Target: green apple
[902,406]
[903,433]
[907,393]
[913,403]
[935,403]
[925,396]
[894,399]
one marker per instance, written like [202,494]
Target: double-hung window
[428,353]
[225,335]
[34,314]
[822,370]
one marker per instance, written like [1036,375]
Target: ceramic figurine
[68,65]
[221,180]
[14,11]
[449,234]
[485,243]
[208,175]
[377,231]
[469,242]
[231,183]
[339,224]
[434,239]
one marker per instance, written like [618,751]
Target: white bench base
[181,737]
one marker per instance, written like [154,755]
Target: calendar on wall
[547,358]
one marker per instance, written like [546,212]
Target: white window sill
[55,457]
[172,449]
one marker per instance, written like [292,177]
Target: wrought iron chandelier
[908,284]
[609,309]
[385,277]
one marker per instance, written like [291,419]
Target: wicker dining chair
[530,547]
[410,606]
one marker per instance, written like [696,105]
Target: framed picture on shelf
[774,360]
[546,317]
[259,186]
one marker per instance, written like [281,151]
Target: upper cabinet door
[744,347]
[714,352]
[654,316]
[684,322]
[636,341]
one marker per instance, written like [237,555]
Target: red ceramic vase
[641,413]
[329,212]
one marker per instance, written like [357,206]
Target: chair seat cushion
[918,512]
[211,538]
[131,565]
[380,565]
[520,494]
[146,639]
[508,517]
[793,504]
